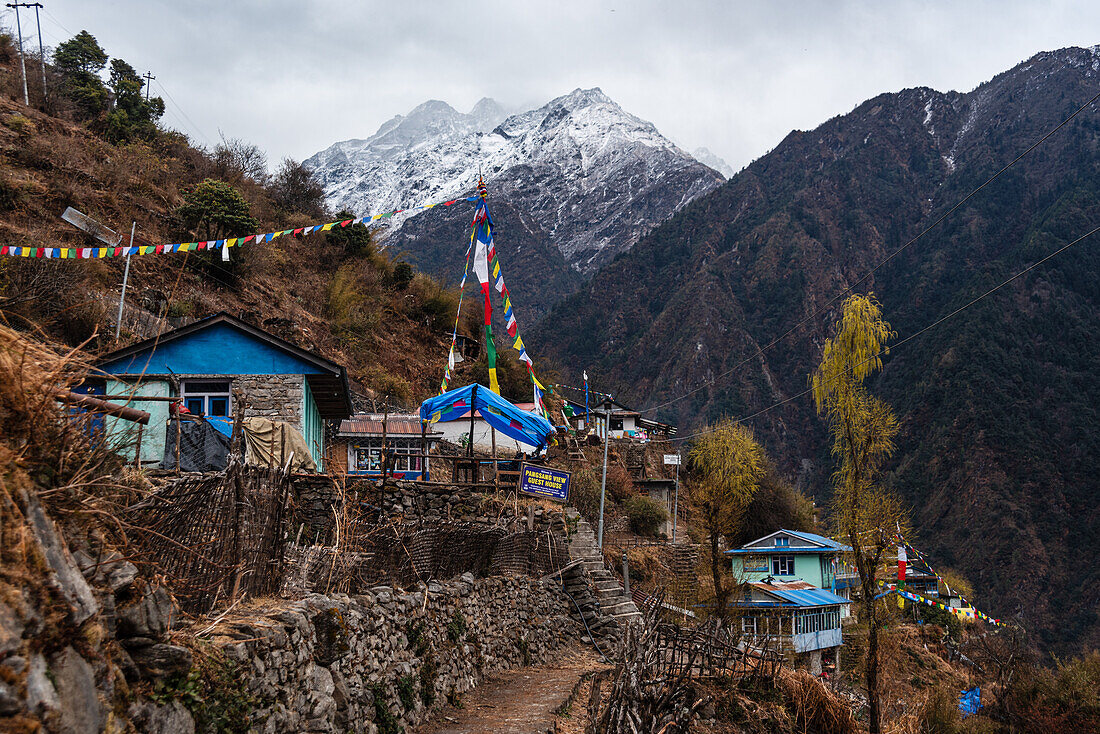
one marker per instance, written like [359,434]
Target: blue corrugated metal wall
[219,349]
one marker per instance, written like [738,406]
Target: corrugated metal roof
[371,424]
[819,544]
[812,597]
[814,538]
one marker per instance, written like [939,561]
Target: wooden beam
[96,405]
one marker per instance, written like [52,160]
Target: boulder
[41,695]
[170,718]
[150,616]
[69,580]
[160,660]
[80,711]
[11,630]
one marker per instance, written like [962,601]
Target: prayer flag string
[88,253]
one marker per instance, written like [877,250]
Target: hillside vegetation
[83,147]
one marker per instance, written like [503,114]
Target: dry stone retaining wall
[377,662]
[316,496]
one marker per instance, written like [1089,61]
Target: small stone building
[208,366]
[357,448]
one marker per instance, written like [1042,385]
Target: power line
[58,22]
[914,335]
[180,109]
[873,270]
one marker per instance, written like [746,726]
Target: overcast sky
[294,77]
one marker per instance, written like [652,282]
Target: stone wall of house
[278,397]
[413,501]
[382,660]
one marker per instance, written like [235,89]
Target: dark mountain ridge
[999,452]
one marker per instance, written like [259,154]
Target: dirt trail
[517,701]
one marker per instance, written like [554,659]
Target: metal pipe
[603,482]
[626,574]
[125,278]
[676,502]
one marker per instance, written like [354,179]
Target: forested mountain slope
[1000,450]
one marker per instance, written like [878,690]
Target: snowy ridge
[596,177]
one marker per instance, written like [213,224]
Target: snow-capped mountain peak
[707,158]
[594,177]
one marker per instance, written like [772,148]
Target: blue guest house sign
[543,482]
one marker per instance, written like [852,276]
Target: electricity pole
[41,51]
[22,59]
[603,483]
[148,83]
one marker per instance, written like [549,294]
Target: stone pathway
[516,701]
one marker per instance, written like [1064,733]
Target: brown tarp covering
[271,443]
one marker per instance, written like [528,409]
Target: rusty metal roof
[370,424]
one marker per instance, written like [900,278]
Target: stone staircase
[615,604]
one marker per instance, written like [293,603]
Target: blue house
[789,555]
[210,365]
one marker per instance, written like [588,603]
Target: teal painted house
[791,601]
[789,555]
[210,365]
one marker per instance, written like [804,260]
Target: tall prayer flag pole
[586,399]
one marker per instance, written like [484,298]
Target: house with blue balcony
[207,367]
[794,618]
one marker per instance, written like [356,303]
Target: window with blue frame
[782,565]
[207,397]
[782,541]
[366,455]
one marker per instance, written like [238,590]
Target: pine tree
[79,61]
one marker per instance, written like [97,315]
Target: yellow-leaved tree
[863,429]
[726,466]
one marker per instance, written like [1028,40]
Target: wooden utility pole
[496,466]
[148,77]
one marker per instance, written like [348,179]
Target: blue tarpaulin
[970,701]
[528,428]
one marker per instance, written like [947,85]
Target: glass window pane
[194,406]
[219,406]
